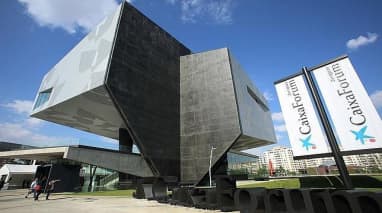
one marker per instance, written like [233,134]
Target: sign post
[353,116]
[328,130]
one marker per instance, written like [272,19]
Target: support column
[125,141]
[125,145]
[344,173]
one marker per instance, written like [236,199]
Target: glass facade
[235,158]
[103,179]
[42,98]
[242,163]
[92,178]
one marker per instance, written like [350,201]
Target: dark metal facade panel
[208,112]
[254,113]
[143,80]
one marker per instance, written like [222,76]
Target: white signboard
[357,123]
[305,133]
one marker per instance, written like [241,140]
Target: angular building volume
[130,80]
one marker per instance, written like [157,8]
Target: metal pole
[344,174]
[47,180]
[209,171]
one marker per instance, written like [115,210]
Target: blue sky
[270,38]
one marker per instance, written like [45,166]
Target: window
[42,98]
[257,100]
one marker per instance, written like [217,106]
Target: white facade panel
[304,131]
[355,119]
[83,68]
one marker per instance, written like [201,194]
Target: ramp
[132,164]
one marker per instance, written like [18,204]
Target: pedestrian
[1,183]
[31,188]
[39,187]
[50,188]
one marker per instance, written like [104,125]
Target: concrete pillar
[125,141]
[125,145]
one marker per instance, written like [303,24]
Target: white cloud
[20,106]
[217,11]
[109,140]
[33,122]
[70,15]
[268,96]
[18,133]
[279,137]
[220,11]
[376,98]
[280,128]
[23,109]
[355,43]
[25,129]
[277,117]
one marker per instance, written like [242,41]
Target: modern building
[7,146]
[130,80]
[17,176]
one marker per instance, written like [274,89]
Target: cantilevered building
[130,80]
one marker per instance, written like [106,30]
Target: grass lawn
[315,183]
[379,177]
[287,183]
[124,193]
[283,183]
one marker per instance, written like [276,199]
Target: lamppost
[209,171]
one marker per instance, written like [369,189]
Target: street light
[209,171]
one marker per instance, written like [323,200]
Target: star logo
[361,136]
[306,143]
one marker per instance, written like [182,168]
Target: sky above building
[271,39]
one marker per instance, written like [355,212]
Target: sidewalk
[13,201]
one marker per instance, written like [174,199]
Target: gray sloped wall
[255,116]
[208,112]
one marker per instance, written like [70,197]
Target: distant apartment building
[283,157]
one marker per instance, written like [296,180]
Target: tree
[238,171]
[262,172]
[280,171]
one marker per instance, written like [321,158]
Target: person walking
[50,188]
[39,187]
[31,188]
[1,183]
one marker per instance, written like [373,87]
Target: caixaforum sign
[354,117]
[357,125]
[304,130]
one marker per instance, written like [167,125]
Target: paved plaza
[13,201]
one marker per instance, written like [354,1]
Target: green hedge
[359,181]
